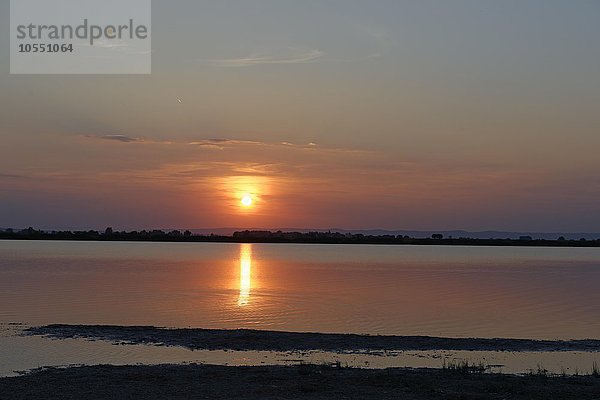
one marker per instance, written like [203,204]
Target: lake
[512,292]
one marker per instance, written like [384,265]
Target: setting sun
[247,201]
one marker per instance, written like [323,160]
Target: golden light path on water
[245,274]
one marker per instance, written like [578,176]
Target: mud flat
[210,339]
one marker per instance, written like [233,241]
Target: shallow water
[512,292]
[19,354]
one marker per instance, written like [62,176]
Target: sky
[429,114]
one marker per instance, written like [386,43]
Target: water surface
[512,292]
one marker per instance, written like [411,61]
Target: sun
[247,201]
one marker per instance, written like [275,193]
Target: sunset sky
[462,114]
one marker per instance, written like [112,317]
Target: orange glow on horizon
[246,194]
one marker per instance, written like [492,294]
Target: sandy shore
[208,339]
[299,382]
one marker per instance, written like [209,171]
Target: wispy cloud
[291,56]
[310,145]
[118,138]
[126,139]
[220,144]
[226,143]
[119,46]
[10,176]
[381,39]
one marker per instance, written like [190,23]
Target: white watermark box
[80,37]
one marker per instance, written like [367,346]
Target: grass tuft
[463,367]
[539,371]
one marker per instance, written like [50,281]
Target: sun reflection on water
[245,274]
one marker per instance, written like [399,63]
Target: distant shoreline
[285,237]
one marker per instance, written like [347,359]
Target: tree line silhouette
[328,237]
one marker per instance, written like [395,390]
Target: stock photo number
[45,48]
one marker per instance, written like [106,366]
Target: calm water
[442,291]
